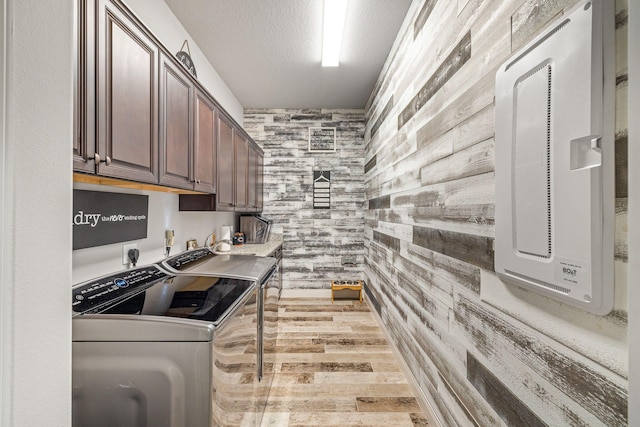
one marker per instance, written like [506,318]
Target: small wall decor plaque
[185,59]
[322,140]
[321,189]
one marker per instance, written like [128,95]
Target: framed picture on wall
[322,140]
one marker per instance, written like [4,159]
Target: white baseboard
[306,293]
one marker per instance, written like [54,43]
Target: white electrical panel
[555,161]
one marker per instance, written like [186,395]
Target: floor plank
[334,367]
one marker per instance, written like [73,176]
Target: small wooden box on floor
[346,289]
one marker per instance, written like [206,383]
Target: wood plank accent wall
[483,352]
[315,241]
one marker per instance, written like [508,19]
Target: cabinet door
[226,168]
[176,118]
[84,139]
[260,183]
[127,84]
[242,171]
[252,179]
[205,150]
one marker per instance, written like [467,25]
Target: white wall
[634,213]
[36,205]
[5,291]
[157,16]
[163,214]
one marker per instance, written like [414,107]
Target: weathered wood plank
[370,164]
[386,240]
[372,299]
[461,5]
[621,236]
[402,231]
[455,112]
[477,189]
[491,41]
[601,339]
[450,364]
[435,148]
[432,286]
[506,404]
[463,416]
[475,160]
[423,16]
[382,117]
[418,299]
[460,54]
[423,197]
[419,57]
[468,219]
[533,16]
[383,202]
[453,271]
[475,250]
[400,147]
[478,127]
[491,335]
[621,165]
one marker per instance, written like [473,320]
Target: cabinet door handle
[97,160]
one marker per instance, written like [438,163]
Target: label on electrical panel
[571,273]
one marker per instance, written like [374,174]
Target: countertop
[265,249]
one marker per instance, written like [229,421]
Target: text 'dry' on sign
[101,218]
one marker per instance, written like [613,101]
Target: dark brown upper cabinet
[225,197]
[140,116]
[127,103]
[255,179]
[84,139]
[242,172]
[238,164]
[176,124]
[260,183]
[205,157]
[187,131]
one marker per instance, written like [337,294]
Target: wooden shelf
[121,183]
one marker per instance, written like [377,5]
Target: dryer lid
[205,263]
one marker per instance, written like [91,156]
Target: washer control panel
[179,261]
[92,295]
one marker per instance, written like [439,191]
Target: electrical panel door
[554,161]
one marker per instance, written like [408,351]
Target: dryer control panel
[98,293]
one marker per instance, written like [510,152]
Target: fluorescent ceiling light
[335,12]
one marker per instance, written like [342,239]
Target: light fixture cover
[335,12]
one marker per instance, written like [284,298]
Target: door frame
[6,286]
[633,331]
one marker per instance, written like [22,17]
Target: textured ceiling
[268,51]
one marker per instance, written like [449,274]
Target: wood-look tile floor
[334,367]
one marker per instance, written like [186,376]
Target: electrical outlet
[125,252]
